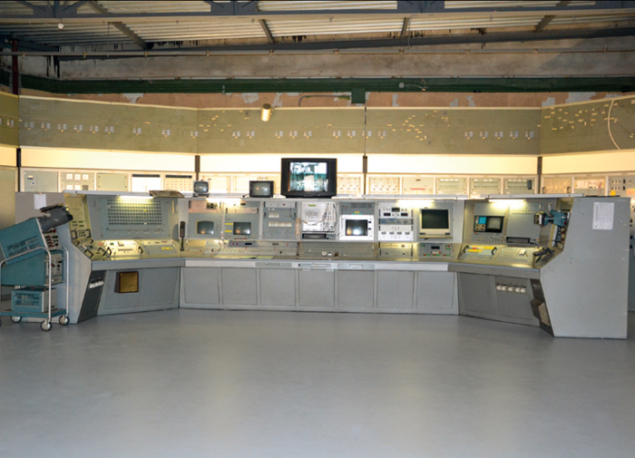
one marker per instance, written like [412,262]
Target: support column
[14,69]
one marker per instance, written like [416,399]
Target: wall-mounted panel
[290,130]
[417,185]
[381,184]
[77,180]
[520,185]
[485,185]
[350,184]
[9,119]
[453,131]
[39,181]
[106,126]
[103,160]
[595,126]
[557,185]
[589,185]
[112,182]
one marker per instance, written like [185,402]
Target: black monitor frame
[331,170]
[252,193]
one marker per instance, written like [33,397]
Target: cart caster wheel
[46,326]
[16,319]
[64,320]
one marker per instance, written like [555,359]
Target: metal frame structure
[95,13]
[47,324]
[68,11]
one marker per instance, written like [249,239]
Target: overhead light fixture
[265,112]
[60,25]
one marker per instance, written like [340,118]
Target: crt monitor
[242,228]
[205,227]
[435,222]
[307,177]
[356,227]
[261,189]
[488,224]
[201,188]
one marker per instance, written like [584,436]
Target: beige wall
[374,99]
[8,186]
[7,155]
[598,162]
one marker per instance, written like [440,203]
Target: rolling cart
[36,261]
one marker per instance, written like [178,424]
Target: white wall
[598,162]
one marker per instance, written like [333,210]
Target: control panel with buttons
[432,250]
[520,289]
[395,223]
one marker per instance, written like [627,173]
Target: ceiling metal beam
[123,28]
[35,8]
[250,10]
[267,31]
[120,26]
[25,45]
[547,19]
[317,85]
[404,29]
[352,44]
[72,8]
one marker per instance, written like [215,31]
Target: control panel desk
[558,262]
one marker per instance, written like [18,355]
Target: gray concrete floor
[189,383]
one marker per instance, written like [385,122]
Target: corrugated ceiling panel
[511,4]
[208,30]
[155,7]
[442,24]
[14,9]
[336,26]
[591,19]
[324,5]
[71,33]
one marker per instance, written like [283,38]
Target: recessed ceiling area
[80,27]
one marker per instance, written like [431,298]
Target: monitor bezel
[285,174]
[430,233]
[488,230]
[202,234]
[254,182]
[241,223]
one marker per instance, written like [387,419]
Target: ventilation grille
[143,213]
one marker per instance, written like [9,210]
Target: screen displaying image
[356,227]
[488,224]
[435,219]
[261,189]
[205,227]
[242,228]
[309,177]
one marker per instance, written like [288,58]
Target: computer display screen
[309,177]
[261,189]
[356,227]
[242,228]
[435,219]
[488,224]
[205,227]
